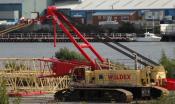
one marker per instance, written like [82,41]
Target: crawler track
[157,91]
[94,95]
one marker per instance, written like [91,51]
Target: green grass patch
[4,99]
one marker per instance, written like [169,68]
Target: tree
[169,64]
[126,28]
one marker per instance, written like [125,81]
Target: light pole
[153,21]
[34,5]
[136,59]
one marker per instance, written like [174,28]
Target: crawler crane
[99,82]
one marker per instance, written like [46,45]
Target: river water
[151,50]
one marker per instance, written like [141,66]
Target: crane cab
[147,76]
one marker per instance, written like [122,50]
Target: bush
[66,54]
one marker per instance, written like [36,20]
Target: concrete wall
[25,7]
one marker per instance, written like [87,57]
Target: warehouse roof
[118,4]
[114,13]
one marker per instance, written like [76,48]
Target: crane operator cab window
[79,74]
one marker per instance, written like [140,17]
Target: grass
[163,100]
[4,99]
[17,100]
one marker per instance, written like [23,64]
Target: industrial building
[13,10]
[117,16]
[156,9]
[141,12]
[148,14]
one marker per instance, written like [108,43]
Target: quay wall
[48,37]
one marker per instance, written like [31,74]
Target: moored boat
[148,37]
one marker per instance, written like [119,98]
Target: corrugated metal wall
[11,8]
[170,12]
[10,15]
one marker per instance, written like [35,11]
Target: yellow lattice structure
[26,75]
